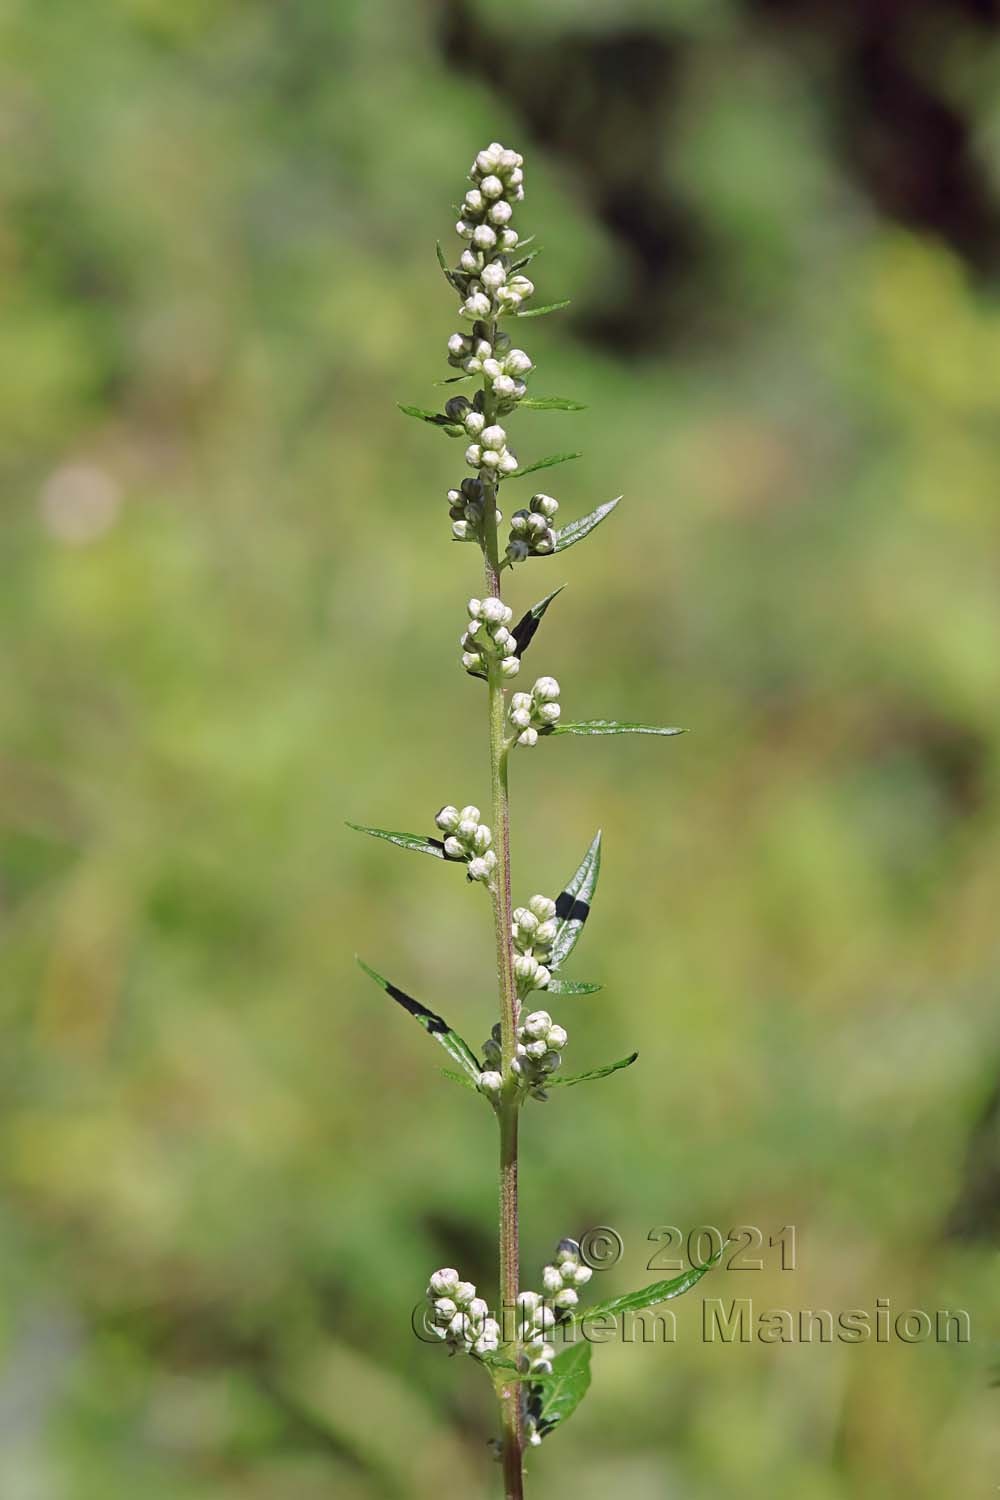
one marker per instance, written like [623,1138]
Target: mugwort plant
[529,1343]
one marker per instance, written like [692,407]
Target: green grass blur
[229,621]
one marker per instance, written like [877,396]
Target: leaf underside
[414,841]
[610,726]
[575,531]
[529,622]
[436,1026]
[573,905]
[623,1062]
[557,986]
[554,1398]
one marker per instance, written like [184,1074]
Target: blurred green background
[230,614]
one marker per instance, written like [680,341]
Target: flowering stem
[508,1392]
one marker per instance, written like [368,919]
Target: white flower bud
[474,423]
[470,813]
[549,713]
[490,459]
[545,505]
[527,921]
[444,1310]
[516,362]
[443,1282]
[466,829]
[472,661]
[479,869]
[508,463]
[558,1037]
[463,1293]
[522,286]
[494,275]
[489,860]
[487,161]
[503,387]
[474,201]
[470,261]
[539,1022]
[528,737]
[493,610]
[546,933]
[545,544]
[491,187]
[489,1340]
[536,1050]
[454,847]
[520,718]
[537,524]
[473,455]
[545,1317]
[551,1280]
[582,1275]
[500,214]
[483,237]
[545,689]
[491,1083]
[528,1302]
[475,307]
[521,700]
[494,437]
[567,1250]
[447,819]
[478,1309]
[457,1328]
[567,1298]
[542,977]
[501,635]
[457,344]
[525,968]
[519,520]
[464,229]
[482,839]
[543,907]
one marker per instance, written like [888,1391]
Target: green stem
[509,1392]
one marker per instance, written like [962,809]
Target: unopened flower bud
[443,1282]
[491,1083]
[546,689]
[528,737]
[539,1022]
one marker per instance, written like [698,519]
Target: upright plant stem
[508,1392]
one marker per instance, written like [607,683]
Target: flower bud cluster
[490,354]
[534,1321]
[466,838]
[539,1046]
[488,637]
[466,507]
[561,1280]
[490,287]
[531,530]
[488,449]
[539,709]
[460,1317]
[534,927]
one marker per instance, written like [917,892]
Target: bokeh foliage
[230,617]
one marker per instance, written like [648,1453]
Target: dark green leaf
[554,1398]
[539,312]
[453,379]
[413,841]
[461,1078]
[452,277]
[526,260]
[543,463]
[557,986]
[573,905]
[549,403]
[623,1062]
[458,1050]
[526,626]
[648,1296]
[610,726]
[575,531]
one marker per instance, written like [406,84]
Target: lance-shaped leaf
[549,403]
[575,531]
[453,278]
[552,1399]
[529,622]
[414,841]
[436,1026]
[543,463]
[623,1062]
[648,1296]
[573,905]
[526,260]
[557,986]
[453,380]
[435,418]
[609,726]
[539,312]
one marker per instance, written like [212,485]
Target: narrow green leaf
[557,986]
[549,403]
[552,1399]
[526,260]
[526,626]
[575,531]
[623,1062]
[461,1078]
[648,1296]
[451,276]
[543,463]
[573,905]
[539,312]
[458,1050]
[610,726]
[436,418]
[453,380]
[413,841]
